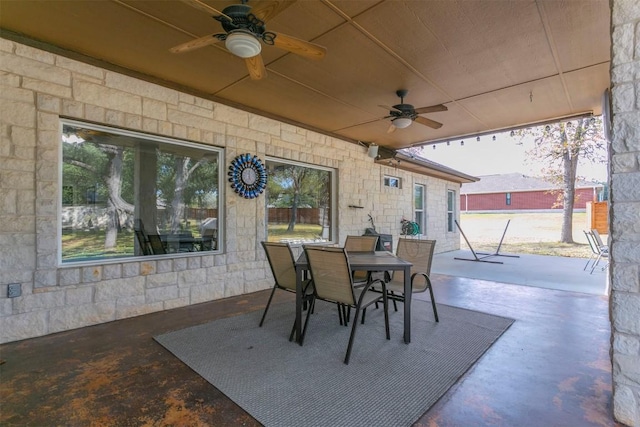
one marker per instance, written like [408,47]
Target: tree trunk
[115,204]
[177,204]
[294,212]
[570,167]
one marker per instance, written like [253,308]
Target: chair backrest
[210,232]
[282,263]
[361,243]
[597,238]
[592,243]
[331,274]
[156,244]
[365,243]
[420,254]
[210,239]
[142,242]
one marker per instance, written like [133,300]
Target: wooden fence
[598,216]
[303,215]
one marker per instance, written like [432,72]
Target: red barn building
[515,191]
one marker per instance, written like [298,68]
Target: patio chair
[157,246]
[141,235]
[210,239]
[603,250]
[594,248]
[333,282]
[361,244]
[420,254]
[282,263]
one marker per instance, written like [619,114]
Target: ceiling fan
[245,31]
[402,115]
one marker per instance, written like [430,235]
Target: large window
[300,200]
[419,207]
[451,210]
[128,194]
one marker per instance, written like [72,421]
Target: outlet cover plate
[14,290]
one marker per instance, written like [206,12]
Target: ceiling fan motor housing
[402,109]
[243,19]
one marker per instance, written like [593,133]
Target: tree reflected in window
[121,187]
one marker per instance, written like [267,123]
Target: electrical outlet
[14,290]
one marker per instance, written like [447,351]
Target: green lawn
[307,232]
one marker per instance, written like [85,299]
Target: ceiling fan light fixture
[402,122]
[243,44]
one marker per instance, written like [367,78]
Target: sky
[504,155]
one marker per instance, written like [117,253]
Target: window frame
[333,200]
[422,210]
[508,199]
[451,210]
[162,141]
[387,180]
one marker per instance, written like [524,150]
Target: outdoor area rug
[387,382]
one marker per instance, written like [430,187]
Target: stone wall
[37,88]
[624,239]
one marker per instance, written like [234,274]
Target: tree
[182,180]
[103,165]
[560,146]
[291,186]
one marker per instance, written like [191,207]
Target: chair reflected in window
[210,239]
[157,246]
[141,236]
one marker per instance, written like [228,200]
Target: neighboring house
[515,191]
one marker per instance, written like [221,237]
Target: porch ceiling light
[373,151]
[402,122]
[243,44]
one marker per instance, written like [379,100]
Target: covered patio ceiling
[494,64]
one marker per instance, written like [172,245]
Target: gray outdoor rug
[387,383]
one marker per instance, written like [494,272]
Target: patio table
[362,261]
[184,241]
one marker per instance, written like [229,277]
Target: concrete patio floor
[551,272]
[551,368]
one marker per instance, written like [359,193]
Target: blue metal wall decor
[248,176]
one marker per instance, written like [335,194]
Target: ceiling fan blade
[428,122]
[431,109]
[205,8]
[256,68]
[392,128]
[267,9]
[195,44]
[299,47]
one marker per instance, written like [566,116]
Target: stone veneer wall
[624,239]
[37,88]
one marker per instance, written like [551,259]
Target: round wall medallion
[247,176]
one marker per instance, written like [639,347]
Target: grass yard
[528,233]
[308,232]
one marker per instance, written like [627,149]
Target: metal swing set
[485,254]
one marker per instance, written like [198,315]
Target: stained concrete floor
[551,368]
[551,272]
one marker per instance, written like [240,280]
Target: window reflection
[128,194]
